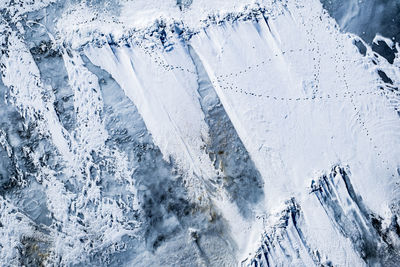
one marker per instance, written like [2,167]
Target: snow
[177,124]
[149,82]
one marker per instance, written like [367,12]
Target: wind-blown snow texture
[198,133]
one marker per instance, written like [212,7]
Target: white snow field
[195,133]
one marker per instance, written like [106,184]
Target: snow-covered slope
[195,133]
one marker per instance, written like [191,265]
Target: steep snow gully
[191,133]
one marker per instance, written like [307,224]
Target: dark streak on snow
[353,219]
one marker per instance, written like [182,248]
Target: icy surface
[198,133]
